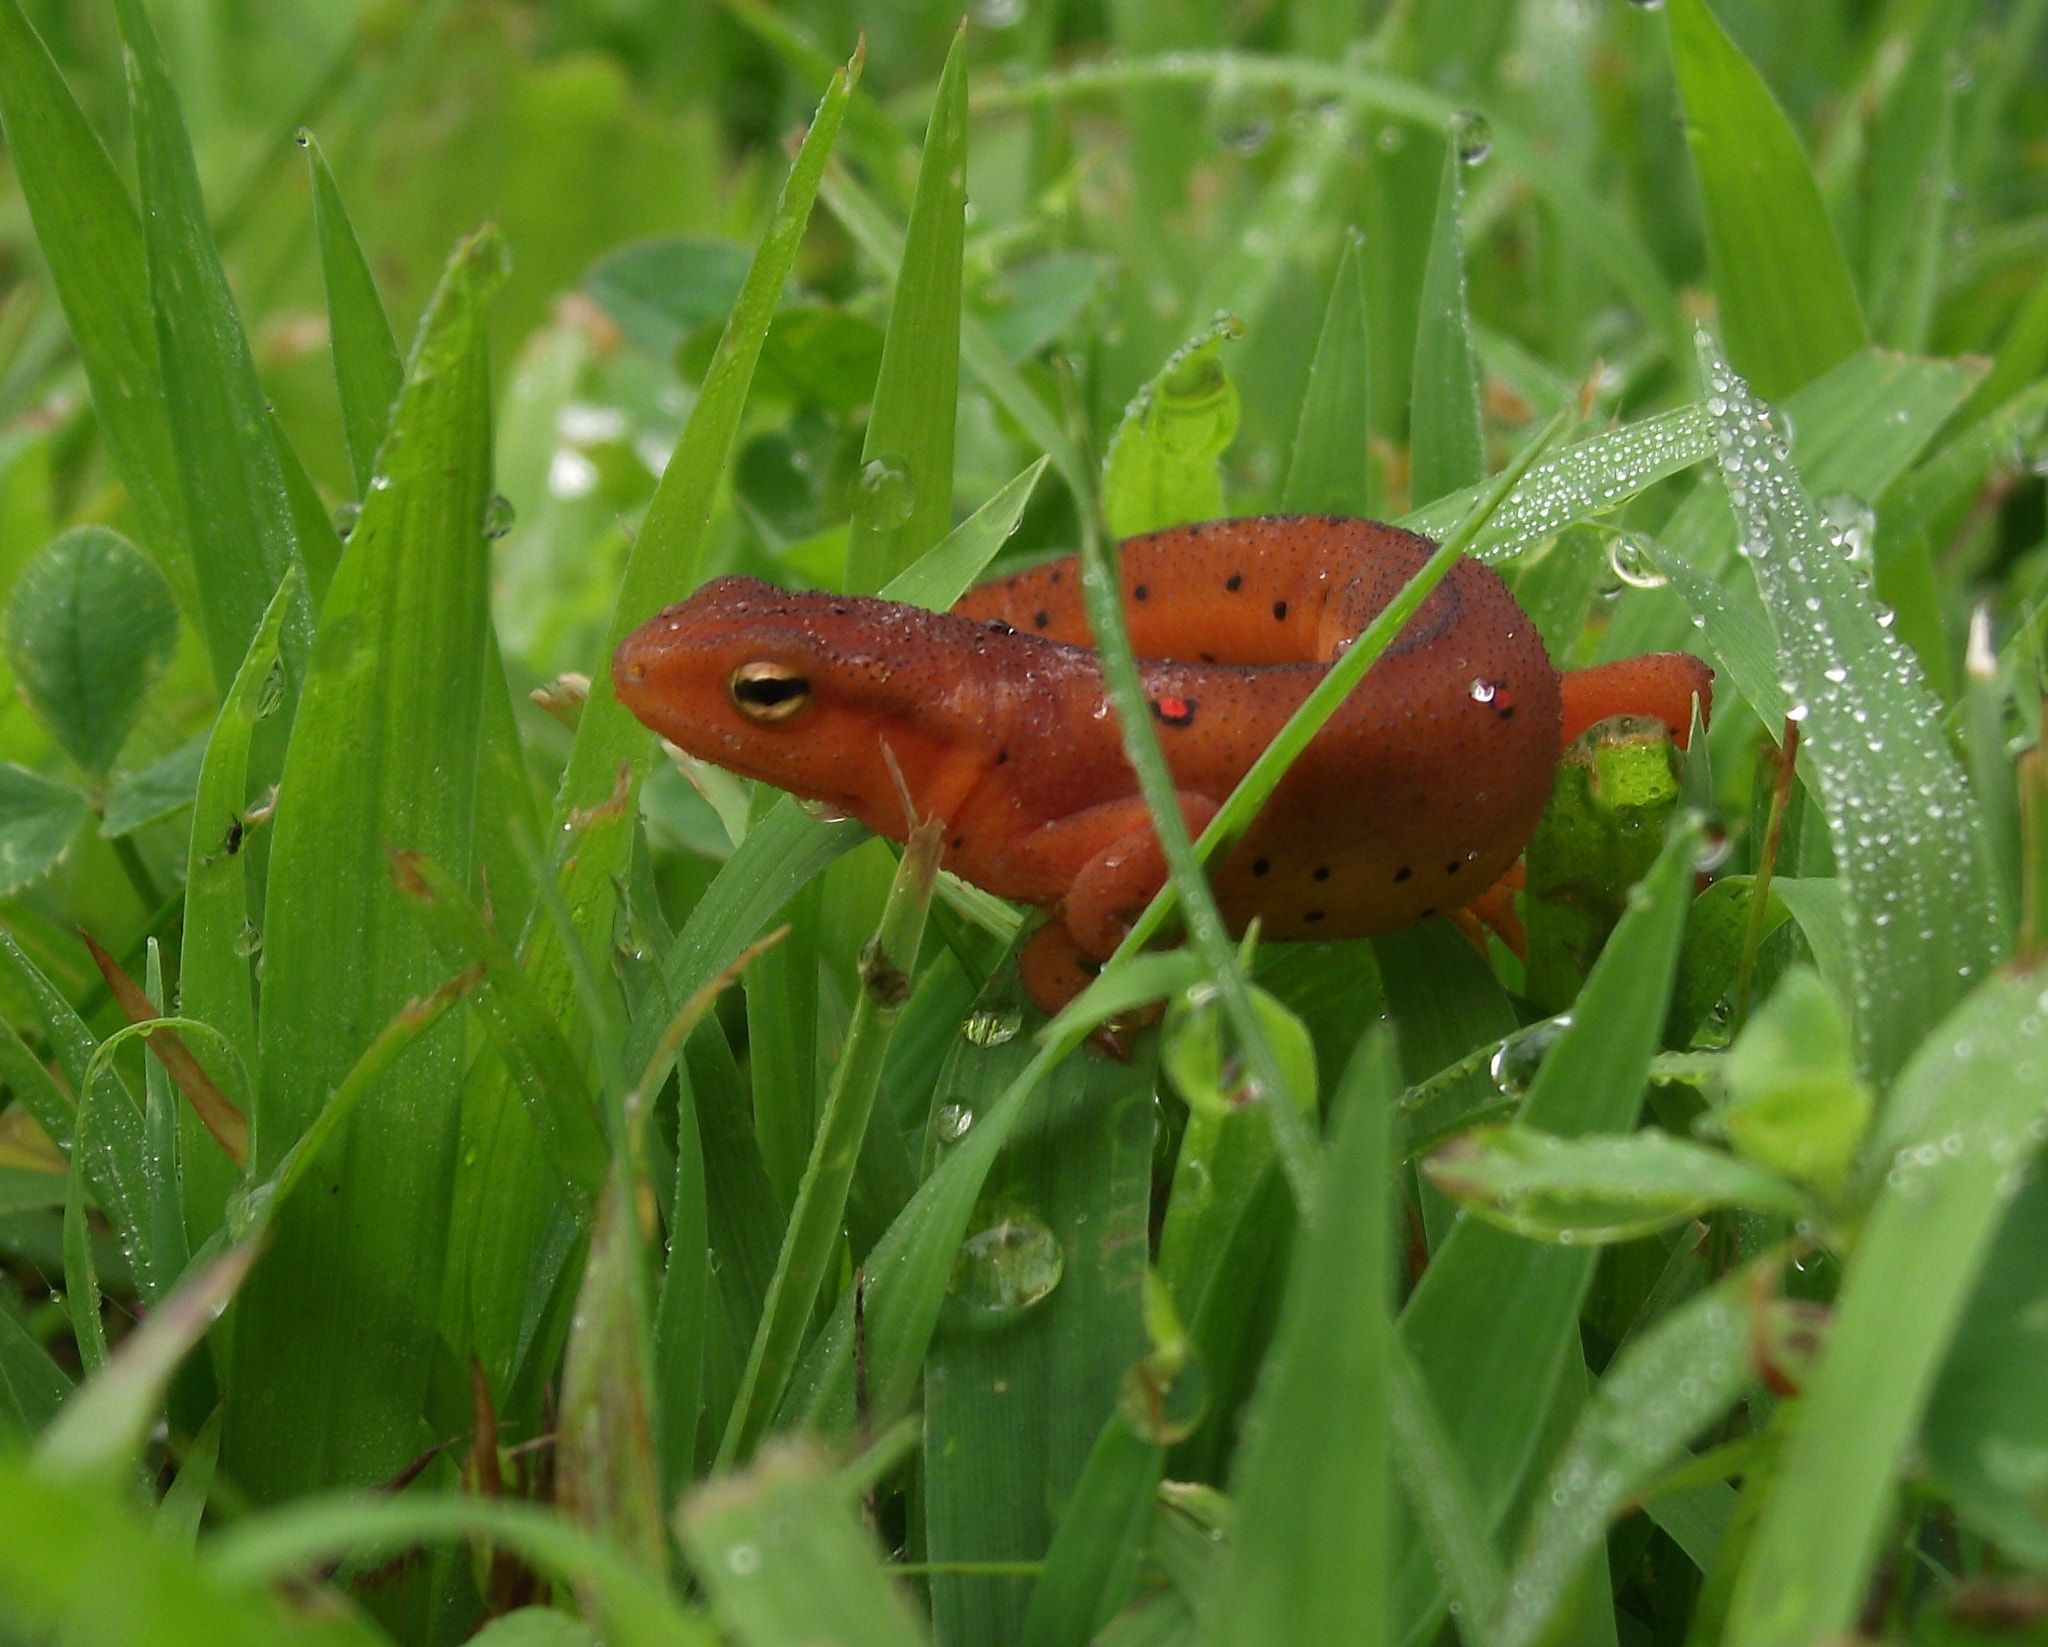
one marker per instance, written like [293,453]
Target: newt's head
[803,690]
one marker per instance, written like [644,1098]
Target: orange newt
[1415,798]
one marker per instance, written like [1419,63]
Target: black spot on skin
[1009,583]
[1280,609]
[1451,868]
[1313,915]
[1322,872]
[1427,913]
[1002,756]
[1000,627]
[958,842]
[1403,873]
[1508,713]
[1234,582]
[1261,867]
[1208,657]
[1041,617]
[1140,593]
[1056,577]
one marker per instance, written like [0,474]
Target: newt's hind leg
[1662,684]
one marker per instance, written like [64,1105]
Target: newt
[1414,799]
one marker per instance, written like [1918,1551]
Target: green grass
[651,1212]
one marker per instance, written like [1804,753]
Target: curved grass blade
[78,1564]
[100,1432]
[909,443]
[1961,1123]
[1916,893]
[305,1537]
[1787,305]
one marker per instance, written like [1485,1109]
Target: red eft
[1417,795]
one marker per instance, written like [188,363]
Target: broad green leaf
[382,757]
[1793,1101]
[1900,813]
[1787,305]
[1493,1318]
[91,236]
[1986,1431]
[38,818]
[1960,1124]
[1661,1391]
[367,369]
[1330,469]
[1163,464]
[536,1626]
[1311,1561]
[1038,299]
[1444,443]
[1612,1188]
[237,515]
[1038,1313]
[1090,1563]
[1205,1070]
[660,291]
[810,1242]
[1613,794]
[903,499]
[1716,928]
[91,625]
[138,799]
[785,1560]
[813,355]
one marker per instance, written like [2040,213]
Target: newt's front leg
[1111,859]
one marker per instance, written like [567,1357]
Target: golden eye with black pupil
[768,692]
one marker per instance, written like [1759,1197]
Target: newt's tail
[1661,684]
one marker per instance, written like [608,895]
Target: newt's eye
[768,692]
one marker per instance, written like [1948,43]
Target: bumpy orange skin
[1418,794]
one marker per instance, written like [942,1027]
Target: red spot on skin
[1174,711]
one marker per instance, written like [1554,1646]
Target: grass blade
[550,1077]
[1312,1557]
[904,502]
[1900,812]
[941,576]
[91,237]
[1330,470]
[1959,1126]
[786,1562]
[382,756]
[1787,305]
[809,1243]
[1444,444]
[367,369]
[236,512]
